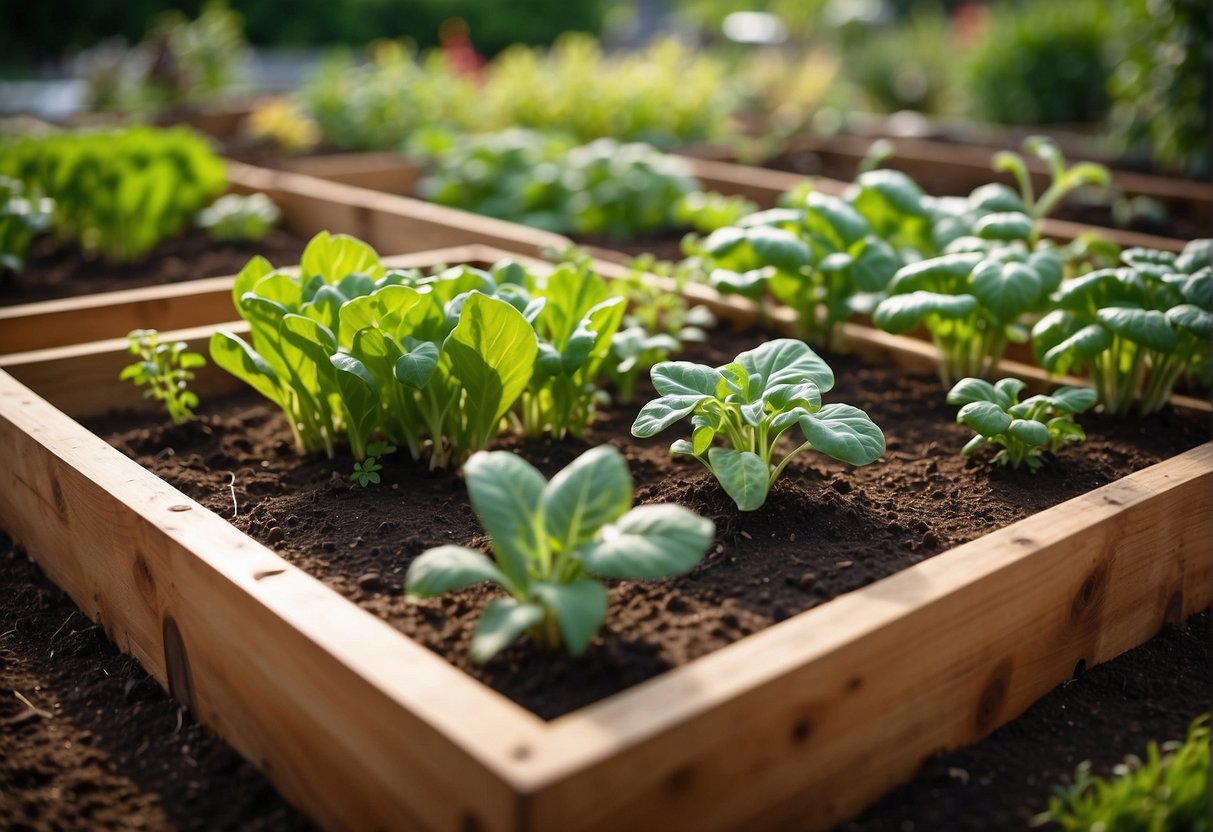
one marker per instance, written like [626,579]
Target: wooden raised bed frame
[805,722]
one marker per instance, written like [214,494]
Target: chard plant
[1022,431]
[166,370]
[971,302]
[553,543]
[239,219]
[1136,329]
[740,411]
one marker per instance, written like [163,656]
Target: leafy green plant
[22,218]
[706,211]
[1135,329]
[118,192]
[166,370]
[972,303]
[1022,430]
[1064,179]
[1168,790]
[553,542]
[239,219]
[748,405]
[366,471]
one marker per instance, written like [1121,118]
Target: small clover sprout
[366,472]
[749,404]
[1024,430]
[166,370]
[553,542]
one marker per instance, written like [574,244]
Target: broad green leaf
[1009,388]
[847,223]
[942,273]
[593,490]
[282,289]
[844,432]
[447,569]
[416,367]
[875,264]
[388,309]
[334,256]
[1006,289]
[682,447]
[743,475]
[325,308]
[805,394]
[650,543]
[579,607]
[360,399]
[723,241]
[986,418]
[1029,431]
[729,282]
[505,491]
[786,361]
[1197,254]
[974,390]
[1048,266]
[995,198]
[1148,327]
[1193,319]
[231,353]
[684,378]
[1073,399]
[779,248]
[502,621]
[571,293]
[701,439]
[249,276]
[1083,345]
[659,414]
[492,352]
[901,313]
[897,189]
[1004,226]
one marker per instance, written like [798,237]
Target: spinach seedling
[166,370]
[1064,179]
[1023,430]
[366,472]
[748,405]
[552,542]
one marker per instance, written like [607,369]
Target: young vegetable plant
[1064,179]
[367,471]
[1022,430]
[748,405]
[166,370]
[239,219]
[1136,328]
[22,218]
[553,542]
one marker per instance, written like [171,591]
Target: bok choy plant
[1136,329]
[748,405]
[1022,430]
[553,542]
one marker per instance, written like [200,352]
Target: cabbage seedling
[1023,430]
[748,405]
[166,370]
[552,542]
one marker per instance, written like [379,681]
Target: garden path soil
[54,270]
[826,529]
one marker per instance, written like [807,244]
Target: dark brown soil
[111,751]
[826,528]
[1177,220]
[54,270]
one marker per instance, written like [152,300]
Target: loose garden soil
[826,529]
[54,270]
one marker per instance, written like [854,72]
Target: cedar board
[805,722]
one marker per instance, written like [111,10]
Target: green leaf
[742,474]
[987,418]
[593,490]
[996,198]
[659,414]
[1029,431]
[579,607]
[359,397]
[1193,319]
[875,265]
[901,313]
[844,432]
[249,276]
[335,256]
[416,367]
[502,621]
[1004,226]
[650,542]
[492,352]
[899,190]
[974,390]
[505,491]
[231,353]
[942,274]
[786,361]
[1083,345]
[449,568]
[1148,327]
[847,223]
[1006,289]
[723,241]
[779,248]
[1010,388]
[1073,399]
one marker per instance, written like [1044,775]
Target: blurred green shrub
[1161,86]
[118,192]
[1042,62]
[912,65]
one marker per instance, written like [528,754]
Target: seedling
[1023,430]
[166,370]
[748,405]
[553,542]
[22,217]
[1064,179]
[366,472]
[239,219]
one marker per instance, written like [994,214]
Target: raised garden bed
[771,728]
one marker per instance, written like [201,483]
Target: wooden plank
[388,172]
[819,715]
[355,724]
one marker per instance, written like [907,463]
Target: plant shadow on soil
[827,528]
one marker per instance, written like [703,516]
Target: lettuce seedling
[239,219]
[166,369]
[748,405]
[1168,790]
[1023,430]
[1137,328]
[553,542]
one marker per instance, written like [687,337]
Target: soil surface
[1172,221]
[826,529]
[54,270]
